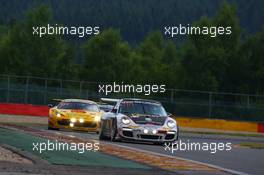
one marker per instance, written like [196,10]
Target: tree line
[135,18]
[232,63]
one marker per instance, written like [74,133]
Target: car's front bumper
[64,123]
[153,134]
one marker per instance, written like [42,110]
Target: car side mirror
[50,105]
[169,114]
[114,110]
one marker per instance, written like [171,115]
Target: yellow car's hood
[78,113]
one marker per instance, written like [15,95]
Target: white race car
[138,120]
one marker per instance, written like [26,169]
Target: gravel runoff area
[9,156]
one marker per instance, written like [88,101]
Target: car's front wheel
[101,132]
[177,137]
[52,128]
[113,131]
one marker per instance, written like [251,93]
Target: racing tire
[101,133]
[51,128]
[113,131]
[177,137]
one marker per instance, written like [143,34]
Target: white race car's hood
[148,119]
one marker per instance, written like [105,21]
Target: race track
[240,160]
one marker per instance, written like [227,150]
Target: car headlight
[97,118]
[57,114]
[81,120]
[73,120]
[125,120]
[171,124]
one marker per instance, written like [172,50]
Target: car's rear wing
[101,103]
[54,102]
[57,100]
[110,100]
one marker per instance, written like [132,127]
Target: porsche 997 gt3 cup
[138,120]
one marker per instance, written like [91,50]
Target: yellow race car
[75,114]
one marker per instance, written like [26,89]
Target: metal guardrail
[38,90]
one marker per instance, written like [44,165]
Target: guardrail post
[210,105]
[45,93]
[8,89]
[61,87]
[87,94]
[80,92]
[172,96]
[26,91]
[248,101]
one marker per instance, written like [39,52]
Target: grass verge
[252,145]
[223,133]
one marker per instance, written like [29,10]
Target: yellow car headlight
[81,120]
[73,120]
[97,118]
[57,114]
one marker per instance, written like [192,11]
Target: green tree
[106,58]
[206,59]
[250,65]
[151,51]
[172,68]
[67,68]
[156,61]
[26,54]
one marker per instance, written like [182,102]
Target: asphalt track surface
[241,160]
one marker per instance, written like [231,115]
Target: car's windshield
[138,107]
[78,106]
